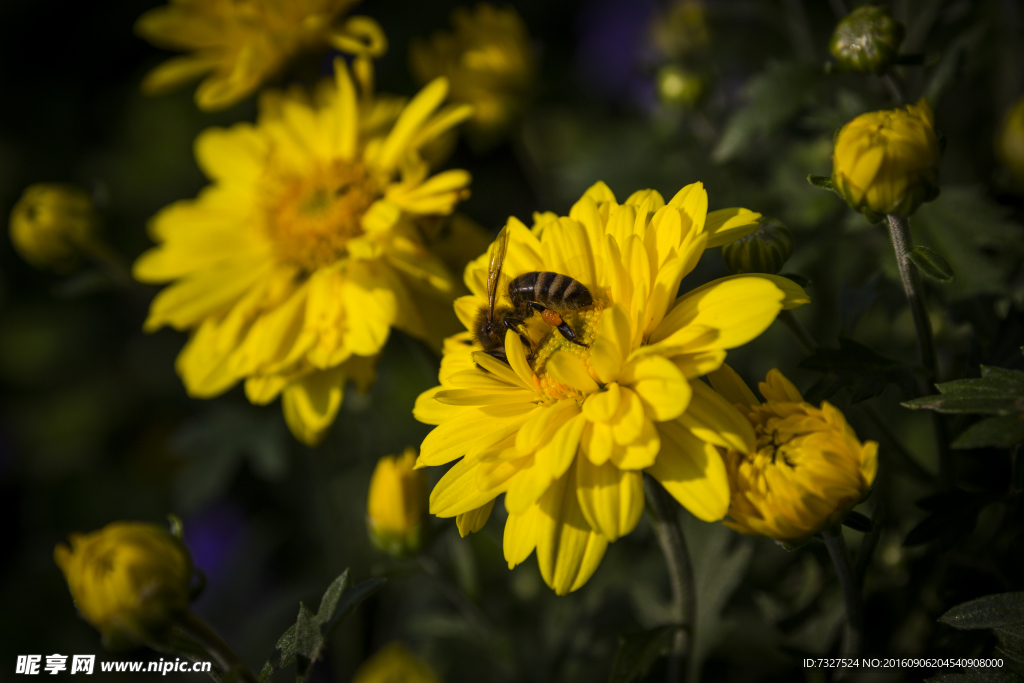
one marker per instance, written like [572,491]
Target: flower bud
[887,162]
[765,250]
[1009,143]
[867,39]
[393,663]
[51,225]
[489,63]
[397,504]
[808,470]
[129,579]
[677,85]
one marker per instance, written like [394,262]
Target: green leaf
[999,391]
[303,642]
[931,264]
[994,432]
[772,98]
[856,367]
[639,651]
[821,181]
[991,611]
[976,236]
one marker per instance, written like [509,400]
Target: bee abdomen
[551,290]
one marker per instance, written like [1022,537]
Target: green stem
[894,88]
[854,634]
[204,634]
[902,243]
[680,574]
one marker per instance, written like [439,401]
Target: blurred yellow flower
[489,61]
[1009,143]
[129,579]
[393,663]
[566,431]
[397,504]
[887,162]
[808,469]
[240,44]
[292,267]
[53,224]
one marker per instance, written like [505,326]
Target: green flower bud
[765,250]
[679,86]
[867,39]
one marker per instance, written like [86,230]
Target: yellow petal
[714,419]
[175,72]
[409,122]
[527,487]
[453,438]
[736,309]
[629,421]
[612,344]
[560,451]
[777,388]
[568,369]
[693,472]
[542,425]
[731,386]
[520,536]
[611,499]
[642,452]
[431,411]
[728,225]
[457,492]
[661,386]
[371,304]
[568,550]
[604,405]
[310,404]
[597,442]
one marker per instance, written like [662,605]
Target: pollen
[311,218]
[585,323]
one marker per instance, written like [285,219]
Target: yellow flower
[292,267]
[490,63]
[395,664]
[888,161]
[567,431]
[396,504]
[808,469]
[129,579]
[1009,143]
[52,224]
[243,43]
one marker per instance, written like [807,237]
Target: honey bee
[549,293]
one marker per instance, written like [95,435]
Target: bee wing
[498,252]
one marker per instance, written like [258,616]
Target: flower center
[311,218]
[585,324]
[774,447]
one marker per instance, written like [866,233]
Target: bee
[549,293]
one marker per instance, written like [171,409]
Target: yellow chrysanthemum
[52,225]
[808,469]
[242,43]
[291,268]
[567,435]
[489,61]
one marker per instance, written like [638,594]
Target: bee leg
[570,334]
